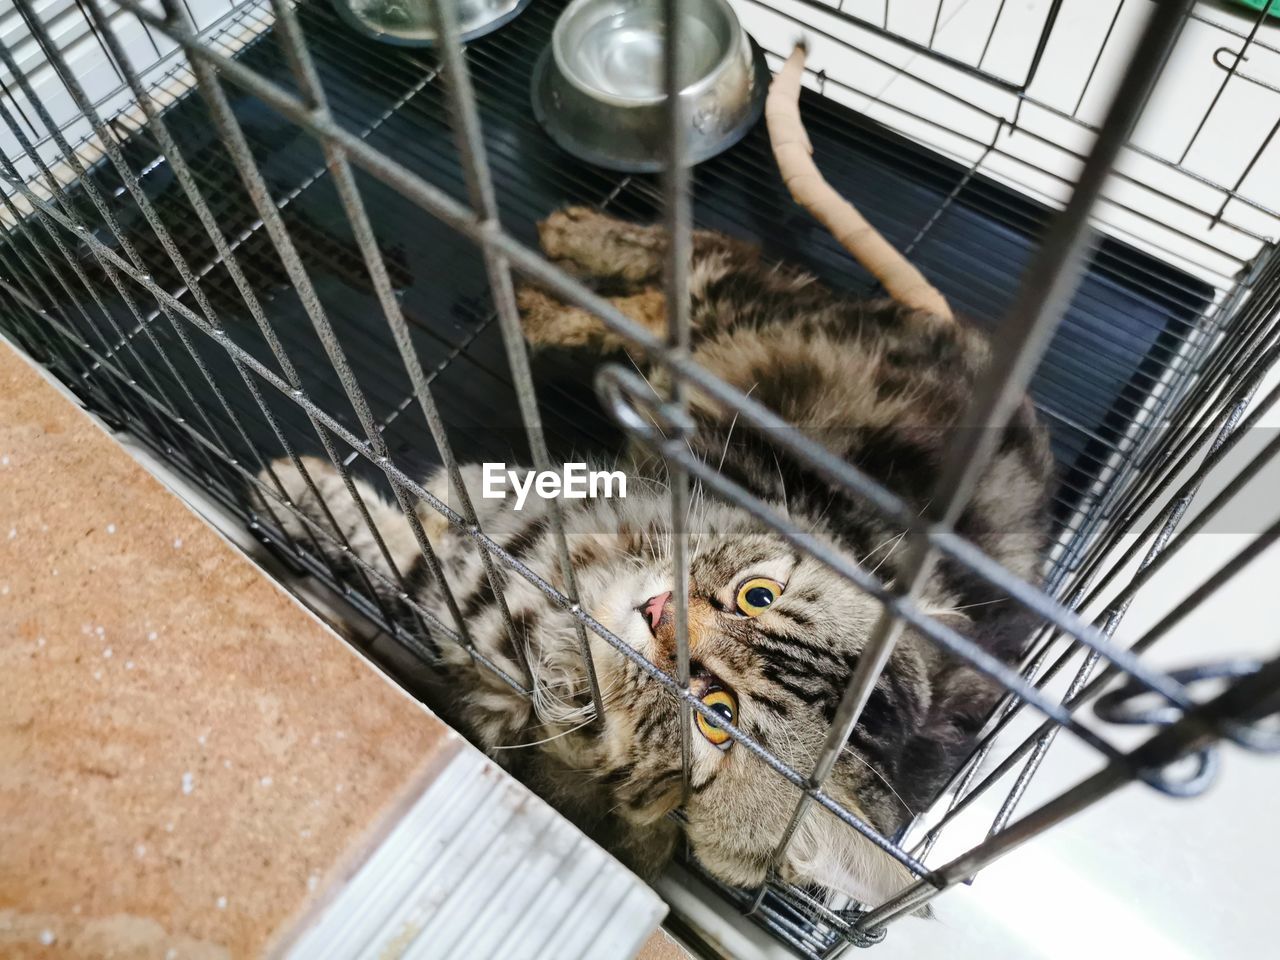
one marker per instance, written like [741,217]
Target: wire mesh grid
[216,253]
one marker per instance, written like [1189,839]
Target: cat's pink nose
[654,608]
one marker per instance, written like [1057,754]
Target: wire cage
[238,230]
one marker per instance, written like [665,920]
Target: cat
[774,635]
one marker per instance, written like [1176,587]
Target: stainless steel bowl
[411,23]
[598,88]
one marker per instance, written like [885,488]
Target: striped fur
[882,386]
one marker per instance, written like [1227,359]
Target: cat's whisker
[966,606]
[661,399]
[882,777]
[896,541]
[729,433]
[878,547]
[817,522]
[782,486]
[554,709]
[647,381]
[537,743]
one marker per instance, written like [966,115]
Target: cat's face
[774,636]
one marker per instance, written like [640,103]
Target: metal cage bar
[69,156]
[679,253]
[466,125]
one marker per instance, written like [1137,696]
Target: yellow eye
[756,595]
[723,703]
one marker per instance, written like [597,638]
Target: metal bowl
[411,23]
[598,88]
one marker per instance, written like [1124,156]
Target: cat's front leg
[623,257]
[548,322]
[343,504]
[624,262]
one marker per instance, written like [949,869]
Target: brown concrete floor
[660,946]
[187,757]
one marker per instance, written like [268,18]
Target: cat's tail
[794,155]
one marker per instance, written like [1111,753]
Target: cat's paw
[299,497]
[592,244]
[562,234]
[549,323]
[297,492]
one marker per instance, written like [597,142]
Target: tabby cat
[774,635]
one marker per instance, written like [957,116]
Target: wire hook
[639,410]
[1124,705]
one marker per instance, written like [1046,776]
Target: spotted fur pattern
[881,385]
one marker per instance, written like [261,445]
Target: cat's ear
[835,856]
